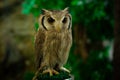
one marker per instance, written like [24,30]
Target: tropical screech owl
[53,40]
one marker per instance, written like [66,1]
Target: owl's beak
[58,29]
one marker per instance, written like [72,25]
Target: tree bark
[117,40]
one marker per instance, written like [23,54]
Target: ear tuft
[66,9]
[44,11]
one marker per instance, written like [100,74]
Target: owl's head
[58,20]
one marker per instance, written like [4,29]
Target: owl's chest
[52,35]
[58,40]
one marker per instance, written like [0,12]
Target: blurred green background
[91,55]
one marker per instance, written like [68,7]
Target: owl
[53,41]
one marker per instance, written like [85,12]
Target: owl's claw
[50,71]
[34,78]
[64,69]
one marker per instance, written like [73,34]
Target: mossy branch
[61,76]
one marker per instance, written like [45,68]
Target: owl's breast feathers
[58,45]
[53,47]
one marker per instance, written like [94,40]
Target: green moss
[61,76]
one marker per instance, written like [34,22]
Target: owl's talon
[34,78]
[64,69]
[50,71]
[55,72]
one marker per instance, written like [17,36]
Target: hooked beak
[58,27]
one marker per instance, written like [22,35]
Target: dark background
[95,51]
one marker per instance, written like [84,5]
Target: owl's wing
[39,41]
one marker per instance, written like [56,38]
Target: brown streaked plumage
[53,40]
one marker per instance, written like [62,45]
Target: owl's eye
[64,20]
[50,20]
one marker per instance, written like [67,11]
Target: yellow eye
[50,20]
[64,20]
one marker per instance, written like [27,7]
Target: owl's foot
[50,71]
[36,74]
[34,78]
[64,69]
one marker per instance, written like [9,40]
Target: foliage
[94,15]
[61,76]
